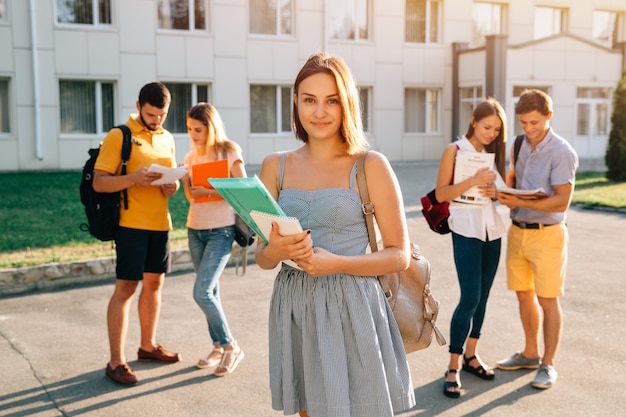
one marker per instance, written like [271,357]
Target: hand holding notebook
[286,225]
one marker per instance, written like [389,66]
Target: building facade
[72,69]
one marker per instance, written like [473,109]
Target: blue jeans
[476,264]
[210,251]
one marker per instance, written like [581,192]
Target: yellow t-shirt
[147,206]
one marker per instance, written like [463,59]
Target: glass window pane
[342,19]
[415,21]
[108,109]
[173,14]
[434,21]
[604,27]
[285,109]
[547,21]
[362,17]
[203,94]
[104,11]
[364,97]
[263,17]
[5,127]
[176,121]
[262,109]
[415,110]
[285,17]
[78,106]
[200,14]
[433,106]
[602,119]
[75,11]
[486,20]
[582,125]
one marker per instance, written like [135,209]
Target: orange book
[200,174]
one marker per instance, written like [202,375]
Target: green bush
[615,157]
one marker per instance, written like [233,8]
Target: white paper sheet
[170,175]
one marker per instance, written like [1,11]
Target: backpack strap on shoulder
[127,144]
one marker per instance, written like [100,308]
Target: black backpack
[103,209]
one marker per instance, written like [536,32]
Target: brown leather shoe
[159,353]
[122,374]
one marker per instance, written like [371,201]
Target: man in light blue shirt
[536,258]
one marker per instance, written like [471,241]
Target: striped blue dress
[335,349]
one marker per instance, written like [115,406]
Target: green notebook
[245,195]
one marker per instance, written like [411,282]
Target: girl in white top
[477,230]
[211,231]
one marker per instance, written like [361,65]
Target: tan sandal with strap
[213,359]
[230,360]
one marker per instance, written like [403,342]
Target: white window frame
[281,123]
[431,108]
[279,29]
[425,28]
[356,13]
[549,21]
[95,13]
[497,22]
[176,120]
[100,126]
[191,21]
[594,103]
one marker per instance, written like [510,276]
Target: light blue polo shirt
[553,162]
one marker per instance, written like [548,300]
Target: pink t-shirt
[211,214]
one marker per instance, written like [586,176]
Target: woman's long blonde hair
[208,115]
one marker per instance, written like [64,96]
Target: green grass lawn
[41,213]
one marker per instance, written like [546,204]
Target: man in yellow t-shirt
[142,241]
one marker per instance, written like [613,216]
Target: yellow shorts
[536,260]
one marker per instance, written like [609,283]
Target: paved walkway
[53,345]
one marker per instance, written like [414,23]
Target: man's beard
[146,124]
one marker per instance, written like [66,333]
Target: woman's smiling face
[319,107]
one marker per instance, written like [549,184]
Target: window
[593,111]
[469,98]
[421,110]
[271,17]
[184,95]
[270,108]
[517,91]
[487,19]
[86,106]
[422,21]
[549,21]
[5,126]
[348,19]
[85,12]
[605,27]
[364,95]
[183,14]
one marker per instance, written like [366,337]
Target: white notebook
[286,226]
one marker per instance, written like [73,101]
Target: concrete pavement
[53,345]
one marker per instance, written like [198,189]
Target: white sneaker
[546,377]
